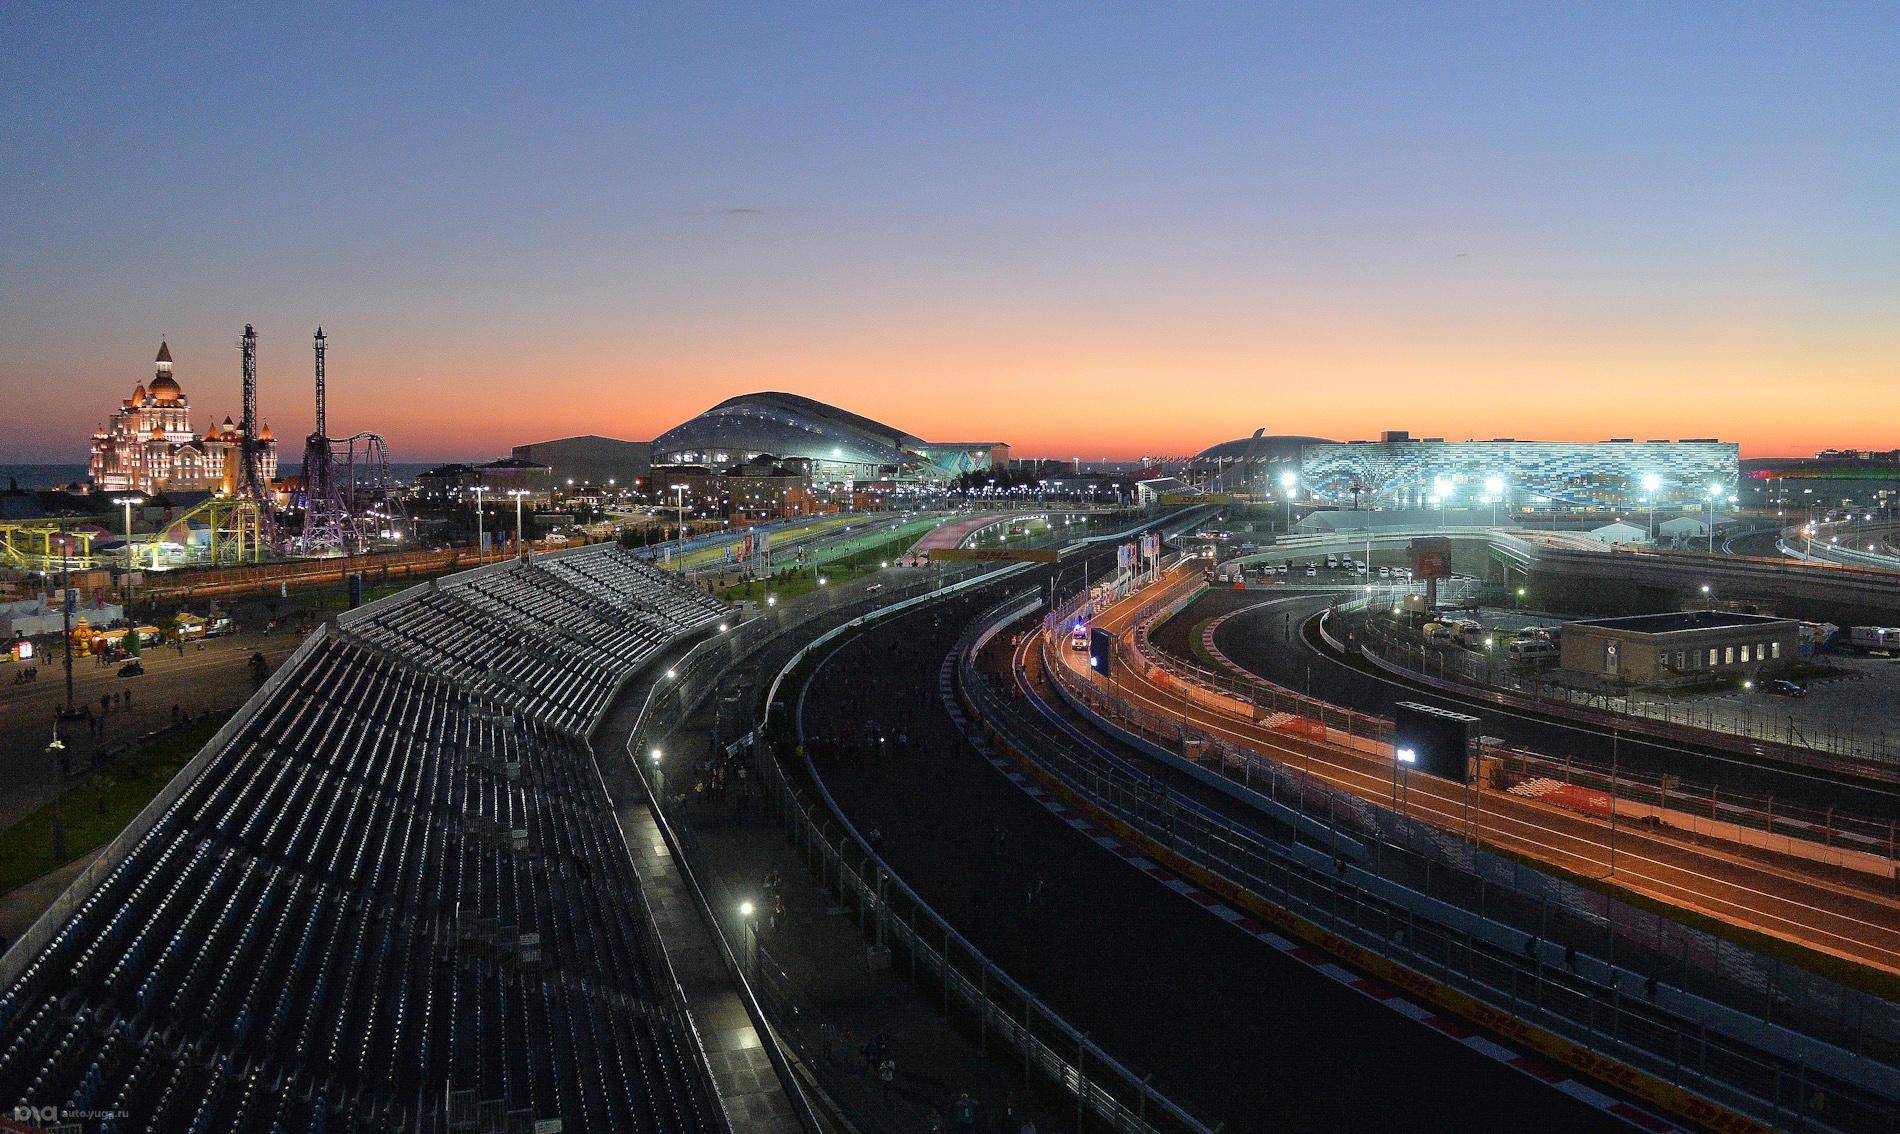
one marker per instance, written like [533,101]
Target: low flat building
[590,460]
[1151,493]
[513,474]
[1680,648]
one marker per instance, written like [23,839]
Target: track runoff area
[1712,880]
[1232,1026]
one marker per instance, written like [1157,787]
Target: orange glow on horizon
[1053,388]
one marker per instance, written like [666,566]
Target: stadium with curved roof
[1257,460]
[839,444]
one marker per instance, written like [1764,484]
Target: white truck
[1867,638]
[1531,651]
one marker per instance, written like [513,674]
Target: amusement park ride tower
[348,500]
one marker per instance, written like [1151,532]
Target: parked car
[1533,650]
[133,668]
[1782,687]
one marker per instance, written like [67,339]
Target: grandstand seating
[393,897]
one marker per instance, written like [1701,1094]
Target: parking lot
[1857,701]
[1849,705]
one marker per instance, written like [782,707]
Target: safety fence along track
[1682,1019]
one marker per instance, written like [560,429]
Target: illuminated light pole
[66,615]
[479,553]
[679,506]
[1494,487]
[1288,480]
[1652,484]
[127,502]
[1715,493]
[518,493]
[746,911]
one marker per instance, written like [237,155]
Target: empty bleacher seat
[396,884]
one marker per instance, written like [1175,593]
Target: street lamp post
[127,502]
[750,941]
[1652,484]
[1715,492]
[1288,479]
[679,498]
[518,493]
[66,612]
[479,489]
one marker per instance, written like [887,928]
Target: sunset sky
[1081,229]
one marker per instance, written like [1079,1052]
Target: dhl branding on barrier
[1647,1087]
[992,555]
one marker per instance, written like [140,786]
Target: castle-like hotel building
[148,445]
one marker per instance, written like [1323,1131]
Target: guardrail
[1683,721]
[967,982]
[1826,828]
[1475,678]
[669,703]
[1561,967]
[1002,1010]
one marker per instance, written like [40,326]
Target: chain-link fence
[1279,706]
[1691,1008]
[1486,670]
[1828,826]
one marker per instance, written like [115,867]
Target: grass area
[1850,974]
[96,809]
[861,559]
[883,551]
[787,585]
[784,535]
[1202,657]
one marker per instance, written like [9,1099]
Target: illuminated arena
[838,445]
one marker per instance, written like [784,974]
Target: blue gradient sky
[1082,229]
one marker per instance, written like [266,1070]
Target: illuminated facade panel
[840,445]
[1558,475]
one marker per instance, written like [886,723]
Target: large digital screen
[1432,740]
[1431,558]
[1101,648]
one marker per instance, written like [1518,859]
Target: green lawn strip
[1851,974]
[787,585]
[97,808]
[865,559]
[717,551]
[883,550]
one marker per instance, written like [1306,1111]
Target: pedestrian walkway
[839,1017]
[743,1074]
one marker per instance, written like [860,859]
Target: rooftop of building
[1677,621]
[1266,448]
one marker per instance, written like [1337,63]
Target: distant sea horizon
[30,476]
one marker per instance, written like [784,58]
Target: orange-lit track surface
[1821,914]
